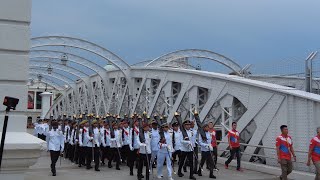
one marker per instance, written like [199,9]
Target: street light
[64,59]
[39,76]
[49,69]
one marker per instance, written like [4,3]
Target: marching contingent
[140,141]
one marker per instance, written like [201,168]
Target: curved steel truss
[80,44]
[56,56]
[47,81]
[196,53]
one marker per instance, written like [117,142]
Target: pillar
[21,149]
[45,103]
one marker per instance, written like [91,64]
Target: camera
[10,102]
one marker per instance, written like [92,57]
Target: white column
[45,103]
[21,150]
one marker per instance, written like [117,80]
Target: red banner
[30,99]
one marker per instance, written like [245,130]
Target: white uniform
[117,140]
[165,153]
[146,145]
[155,138]
[177,140]
[96,137]
[105,138]
[126,136]
[135,144]
[55,141]
[188,145]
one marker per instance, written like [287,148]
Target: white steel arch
[80,44]
[67,69]
[56,55]
[47,81]
[67,80]
[196,53]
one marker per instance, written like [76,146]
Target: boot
[199,172]
[212,176]
[192,177]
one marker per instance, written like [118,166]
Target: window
[39,99]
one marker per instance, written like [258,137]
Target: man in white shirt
[187,148]
[176,141]
[105,140]
[134,145]
[145,153]
[126,141]
[96,144]
[155,138]
[165,152]
[115,145]
[55,143]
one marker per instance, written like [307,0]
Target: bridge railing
[263,156]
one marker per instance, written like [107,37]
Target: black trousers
[82,155]
[96,153]
[75,153]
[105,153]
[54,158]
[206,157]
[196,150]
[175,154]
[143,161]
[71,152]
[66,150]
[42,136]
[115,154]
[125,150]
[132,158]
[189,156]
[234,151]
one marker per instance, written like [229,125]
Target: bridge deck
[41,170]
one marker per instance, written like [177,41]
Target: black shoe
[117,168]
[185,169]
[89,167]
[79,165]
[192,177]
[97,169]
[54,174]
[199,172]
[102,164]
[180,174]
[131,173]
[109,166]
[212,176]
[153,166]
[142,176]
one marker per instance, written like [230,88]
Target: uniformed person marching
[126,141]
[176,142]
[155,138]
[134,145]
[165,152]
[115,146]
[206,151]
[96,144]
[82,147]
[145,153]
[187,147]
[55,143]
[105,140]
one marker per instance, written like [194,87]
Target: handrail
[262,156]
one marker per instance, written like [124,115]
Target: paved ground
[67,170]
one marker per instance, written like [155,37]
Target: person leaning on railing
[314,153]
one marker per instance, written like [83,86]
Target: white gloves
[210,148]
[131,148]
[169,148]
[143,145]
[91,138]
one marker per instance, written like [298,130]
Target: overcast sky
[248,31]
